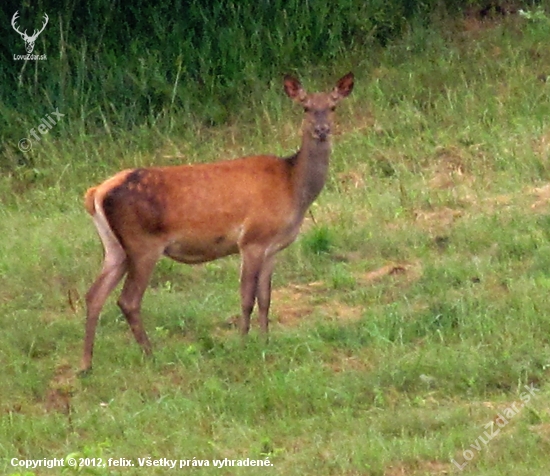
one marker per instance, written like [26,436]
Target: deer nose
[321,131]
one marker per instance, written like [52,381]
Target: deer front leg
[251,266]
[264,293]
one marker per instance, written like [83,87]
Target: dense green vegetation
[410,314]
[118,65]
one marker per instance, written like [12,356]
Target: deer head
[29,40]
[318,107]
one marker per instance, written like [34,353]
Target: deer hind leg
[140,268]
[264,292]
[114,268]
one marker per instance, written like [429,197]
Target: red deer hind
[198,213]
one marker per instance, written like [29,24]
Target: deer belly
[195,252]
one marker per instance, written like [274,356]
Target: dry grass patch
[295,302]
[542,430]
[418,468]
[292,303]
[437,221]
[450,169]
[343,361]
[410,271]
[542,197]
[61,389]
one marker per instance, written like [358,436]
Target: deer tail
[89,200]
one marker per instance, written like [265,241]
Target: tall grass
[183,63]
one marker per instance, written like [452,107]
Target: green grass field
[408,320]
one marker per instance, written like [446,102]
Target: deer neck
[309,171]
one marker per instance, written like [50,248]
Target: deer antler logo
[29,40]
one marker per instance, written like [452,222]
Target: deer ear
[344,87]
[294,89]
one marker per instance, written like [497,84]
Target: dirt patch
[541,144]
[57,401]
[292,303]
[338,311]
[542,197]
[438,220]
[295,302]
[290,315]
[388,270]
[450,169]
[499,201]
[536,199]
[410,271]
[345,361]
[61,390]
[542,430]
[397,278]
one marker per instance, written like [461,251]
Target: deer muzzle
[321,131]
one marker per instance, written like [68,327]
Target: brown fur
[197,211]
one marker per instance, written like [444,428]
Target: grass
[194,61]
[411,312]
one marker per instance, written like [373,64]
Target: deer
[29,40]
[194,213]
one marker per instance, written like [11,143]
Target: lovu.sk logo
[29,40]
